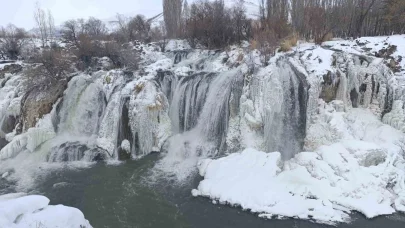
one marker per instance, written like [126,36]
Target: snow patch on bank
[371,46]
[361,168]
[18,210]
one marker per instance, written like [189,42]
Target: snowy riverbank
[22,211]
[360,168]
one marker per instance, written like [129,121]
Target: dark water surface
[120,196]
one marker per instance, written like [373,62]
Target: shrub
[288,43]
[12,41]
[327,37]
[47,69]
[129,58]
[213,25]
[285,46]
[264,40]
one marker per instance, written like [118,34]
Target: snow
[318,61]
[31,139]
[126,146]
[371,45]
[5,175]
[177,45]
[358,170]
[9,62]
[21,211]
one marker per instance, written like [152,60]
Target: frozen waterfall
[280,93]
[199,111]
[78,120]
[202,103]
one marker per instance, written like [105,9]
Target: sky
[20,12]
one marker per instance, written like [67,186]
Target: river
[127,195]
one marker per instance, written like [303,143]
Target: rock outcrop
[39,101]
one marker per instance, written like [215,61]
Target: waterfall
[82,108]
[124,130]
[109,130]
[79,120]
[188,99]
[199,114]
[280,93]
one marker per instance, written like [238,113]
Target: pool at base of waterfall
[132,195]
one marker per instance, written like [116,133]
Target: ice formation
[148,118]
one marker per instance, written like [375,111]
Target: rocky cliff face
[39,101]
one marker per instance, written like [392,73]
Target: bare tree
[95,28]
[51,26]
[12,40]
[213,25]
[139,28]
[131,29]
[71,31]
[172,16]
[364,7]
[159,35]
[122,32]
[242,28]
[264,40]
[394,15]
[185,15]
[41,22]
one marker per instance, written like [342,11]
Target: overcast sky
[20,12]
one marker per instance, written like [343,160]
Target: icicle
[396,118]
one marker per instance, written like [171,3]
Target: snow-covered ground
[372,45]
[19,210]
[359,165]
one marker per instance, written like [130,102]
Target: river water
[126,196]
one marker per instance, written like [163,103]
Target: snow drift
[20,210]
[362,169]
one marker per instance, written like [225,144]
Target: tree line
[212,24]
[210,21]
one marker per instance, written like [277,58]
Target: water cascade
[199,113]
[281,94]
[79,119]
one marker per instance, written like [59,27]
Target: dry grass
[139,87]
[253,44]
[327,37]
[289,42]
[285,46]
